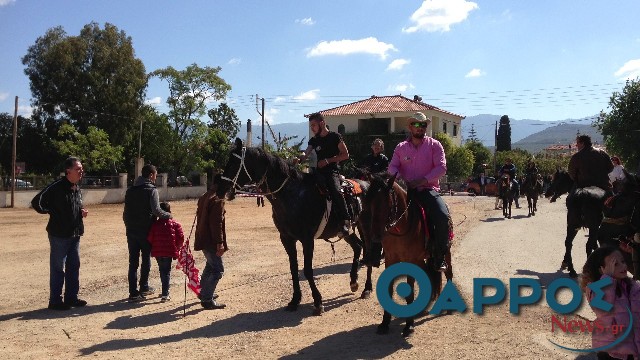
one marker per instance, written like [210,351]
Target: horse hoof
[365,294]
[318,310]
[354,286]
[563,265]
[573,274]
[291,307]
[534,214]
[382,329]
[408,331]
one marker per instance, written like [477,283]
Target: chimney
[248,142]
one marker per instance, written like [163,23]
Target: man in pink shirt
[420,161]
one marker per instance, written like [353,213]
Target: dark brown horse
[507,193]
[298,211]
[397,222]
[532,188]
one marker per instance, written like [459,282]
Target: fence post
[122,180]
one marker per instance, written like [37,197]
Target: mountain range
[527,134]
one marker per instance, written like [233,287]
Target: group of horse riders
[419,161]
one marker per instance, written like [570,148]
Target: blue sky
[543,60]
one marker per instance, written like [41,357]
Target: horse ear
[391,181]
[238,143]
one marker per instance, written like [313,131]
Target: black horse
[584,209]
[507,193]
[298,211]
[621,220]
[532,187]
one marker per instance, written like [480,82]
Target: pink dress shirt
[427,161]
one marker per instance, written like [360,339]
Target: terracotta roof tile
[382,104]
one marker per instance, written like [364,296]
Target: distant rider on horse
[590,166]
[510,169]
[330,150]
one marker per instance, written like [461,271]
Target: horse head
[381,204]
[560,184]
[239,170]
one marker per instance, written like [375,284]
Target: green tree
[459,164]
[473,136]
[446,141]
[157,142]
[93,79]
[621,126]
[190,91]
[503,140]
[94,149]
[481,155]
[34,146]
[225,119]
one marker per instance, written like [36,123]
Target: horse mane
[379,181]
[276,162]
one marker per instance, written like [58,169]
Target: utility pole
[262,115]
[14,153]
[495,148]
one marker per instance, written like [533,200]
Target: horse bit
[263,180]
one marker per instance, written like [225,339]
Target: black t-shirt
[326,147]
[375,163]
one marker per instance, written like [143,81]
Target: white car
[21,184]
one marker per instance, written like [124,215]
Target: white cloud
[398,64]
[25,110]
[439,15]
[401,87]
[475,73]
[306,21]
[308,95]
[368,45]
[6,2]
[3,96]
[154,101]
[234,61]
[279,99]
[630,70]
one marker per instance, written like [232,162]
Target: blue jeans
[211,274]
[138,247]
[164,264]
[64,267]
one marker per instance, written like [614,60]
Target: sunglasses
[419,125]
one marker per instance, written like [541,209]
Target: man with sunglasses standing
[420,161]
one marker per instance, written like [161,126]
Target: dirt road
[257,286]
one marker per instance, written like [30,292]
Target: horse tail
[435,277]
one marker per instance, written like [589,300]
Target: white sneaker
[165,298]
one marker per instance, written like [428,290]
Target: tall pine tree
[503,140]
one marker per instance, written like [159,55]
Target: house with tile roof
[383,115]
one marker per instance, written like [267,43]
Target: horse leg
[409,327]
[592,241]
[307,251]
[290,248]
[567,262]
[383,328]
[354,242]
[535,204]
[368,287]
[510,204]
[530,204]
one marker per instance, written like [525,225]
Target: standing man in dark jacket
[62,200]
[211,238]
[141,209]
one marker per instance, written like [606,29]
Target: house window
[341,129]
[455,130]
[444,127]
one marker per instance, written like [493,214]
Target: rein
[393,223]
[263,180]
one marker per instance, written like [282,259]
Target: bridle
[262,181]
[392,219]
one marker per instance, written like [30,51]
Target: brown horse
[397,222]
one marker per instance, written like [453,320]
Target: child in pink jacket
[623,293]
[166,238]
